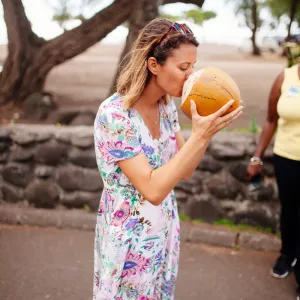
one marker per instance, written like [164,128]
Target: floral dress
[136,243]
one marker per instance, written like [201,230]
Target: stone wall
[49,166]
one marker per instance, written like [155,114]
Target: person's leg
[297,197]
[297,276]
[286,171]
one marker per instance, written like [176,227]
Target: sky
[223,29]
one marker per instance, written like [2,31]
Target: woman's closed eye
[186,67]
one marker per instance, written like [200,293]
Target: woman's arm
[269,126]
[155,185]
[192,167]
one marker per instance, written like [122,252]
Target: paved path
[37,264]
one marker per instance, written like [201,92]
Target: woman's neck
[151,95]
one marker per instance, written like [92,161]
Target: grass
[241,226]
[252,128]
[183,217]
[87,208]
[230,224]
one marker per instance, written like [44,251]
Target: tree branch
[196,2]
[18,26]
[143,11]
[91,31]
[292,16]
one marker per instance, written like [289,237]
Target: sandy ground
[85,80]
[58,265]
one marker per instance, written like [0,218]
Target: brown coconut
[210,88]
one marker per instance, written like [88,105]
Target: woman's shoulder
[113,103]
[111,110]
[112,106]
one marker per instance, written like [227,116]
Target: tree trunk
[293,10]
[30,58]
[196,2]
[144,11]
[21,48]
[255,49]
[292,16]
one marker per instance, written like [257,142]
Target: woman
[141,156]
[284,114]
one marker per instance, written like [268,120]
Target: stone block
[259,241]
[12,193]
[224,187]
[209,164]
[51,153]
[204,207]
[73,219]
[41,193]
[23,137]
[21,154]
[44,172]
[17,174]
[72,178]
[78,199]
[83,158]
[213,236]
[83,139]
[238,170]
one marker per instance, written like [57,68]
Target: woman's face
[177,68]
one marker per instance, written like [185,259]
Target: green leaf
[198,16]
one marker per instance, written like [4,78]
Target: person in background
[141,156]
[284,115]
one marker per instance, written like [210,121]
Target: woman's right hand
[206,127]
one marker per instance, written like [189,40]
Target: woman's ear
[152,64]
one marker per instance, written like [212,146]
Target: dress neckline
[145,125]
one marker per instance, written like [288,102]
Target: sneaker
[283,266]
[298,292]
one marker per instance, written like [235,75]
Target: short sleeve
[174,116]
[115,135]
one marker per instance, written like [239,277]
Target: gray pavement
[49,263]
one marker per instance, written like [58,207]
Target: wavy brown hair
[135,75]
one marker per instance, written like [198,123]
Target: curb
[63,219]
[79,219]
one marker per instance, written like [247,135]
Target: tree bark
[21,48]
[196,2]
[255,49]
[144,11]
[292,16]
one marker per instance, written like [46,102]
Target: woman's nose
[188,73]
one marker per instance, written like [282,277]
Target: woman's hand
[206,127]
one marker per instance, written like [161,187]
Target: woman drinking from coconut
[141,156]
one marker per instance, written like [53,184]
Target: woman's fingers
[232,115]
[225,122]
[194,109]
[223,109]
[215,124]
